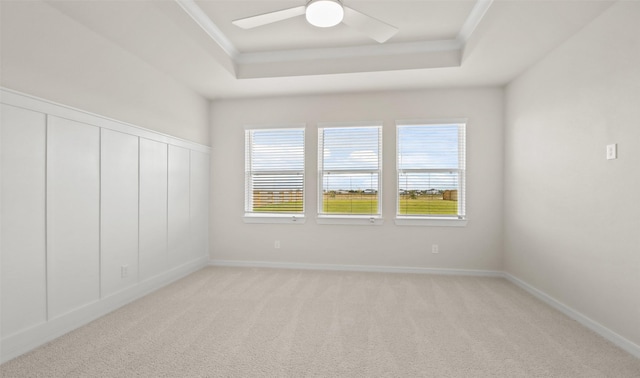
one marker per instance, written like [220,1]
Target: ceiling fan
[324,14]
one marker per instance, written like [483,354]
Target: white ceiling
[441,43]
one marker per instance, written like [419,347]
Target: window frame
[271,217]
[349,219]
[461,218]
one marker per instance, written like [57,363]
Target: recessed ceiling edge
[425,54]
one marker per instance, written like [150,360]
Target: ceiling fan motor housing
[324,13]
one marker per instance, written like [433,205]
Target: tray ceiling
[294,48]
[416,21]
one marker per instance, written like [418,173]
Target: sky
[430,147]
[356,149]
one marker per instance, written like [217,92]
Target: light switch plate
[612,151]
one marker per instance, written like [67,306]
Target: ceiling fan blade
[268,18]
[368,25]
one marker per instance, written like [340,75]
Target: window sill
[433,222]
[351,220]
[274,218]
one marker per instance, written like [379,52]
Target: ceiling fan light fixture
[324,13]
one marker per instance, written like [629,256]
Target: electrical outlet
[124,271]
[434,248]
[276,244]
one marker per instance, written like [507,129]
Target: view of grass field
[284,207]
[353,203]
[427,204]
[356,203]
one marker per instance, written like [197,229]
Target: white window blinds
[350,169]
[274,171]
[431,170]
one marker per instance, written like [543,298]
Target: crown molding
[349,52]
[201,18]
[476,15]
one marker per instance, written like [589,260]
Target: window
[274,172]
[431,171]
[350,168]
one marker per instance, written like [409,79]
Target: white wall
[119,207]
[154,256]
[572,224]
[179,238]
[73,215]
[88,208]
[477,246]
[23,140]
[49,55]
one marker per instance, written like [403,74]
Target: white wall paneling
[118,211]
[73,214]
[199,203]
[178,205]
[24,301]
[83,196]
[153,208]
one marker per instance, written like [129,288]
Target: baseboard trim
[620,341]
[355,268]
[31,338]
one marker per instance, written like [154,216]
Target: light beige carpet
[243,322]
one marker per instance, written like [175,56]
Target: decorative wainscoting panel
[95,213]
